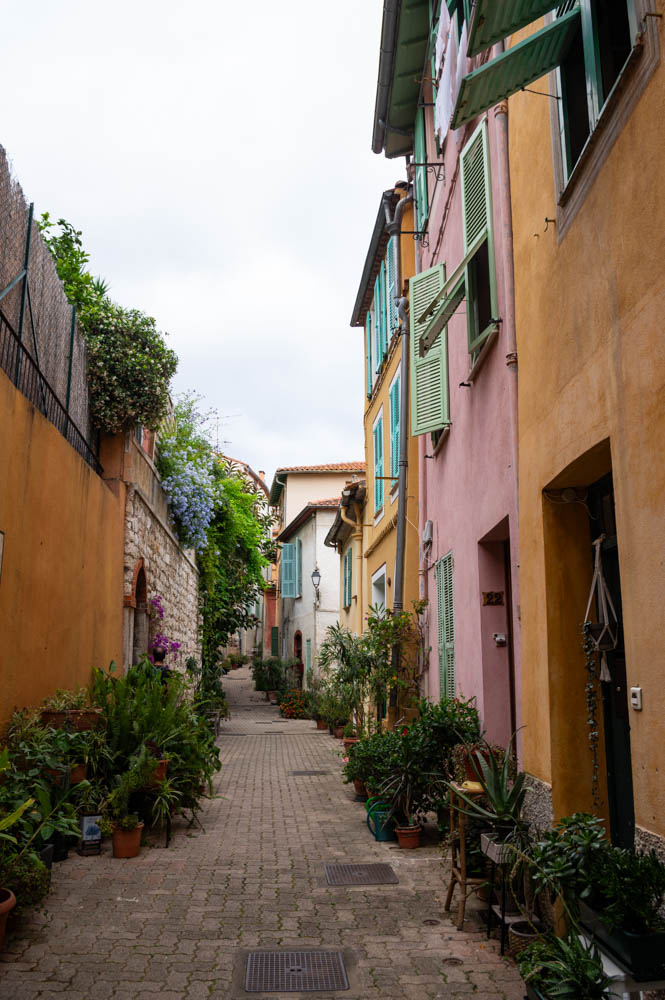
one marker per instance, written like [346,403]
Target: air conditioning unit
[428,534]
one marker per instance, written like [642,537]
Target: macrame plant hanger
[607,633]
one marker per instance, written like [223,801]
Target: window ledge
[483,352]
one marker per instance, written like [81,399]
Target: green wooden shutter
[378,465]
[378,335]
[420,156]
[288,570]
[368,352]
[514,69]
[308,655]
[384,311]
[492,21]
[274,641]
[298,561]
[392,290]
[477,217]
[429,375]
[348,571]
[445,625]
[394,428]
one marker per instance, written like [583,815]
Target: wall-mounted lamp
[316,578]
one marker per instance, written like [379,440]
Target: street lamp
[316,578]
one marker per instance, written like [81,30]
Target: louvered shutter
[378,335]
[394,428]
[477,214]
[368,352]
[420,156]
[378,465]
[348,569]
[383,309]
[308,655]
[446,626]
[288,570]
[274,641]
[298,560]
[429,375]
[392,290]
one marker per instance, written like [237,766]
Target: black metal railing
[21,368]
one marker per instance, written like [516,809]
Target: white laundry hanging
[444,105]
[461,71]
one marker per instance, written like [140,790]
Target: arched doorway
[141,620]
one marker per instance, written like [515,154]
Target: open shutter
[378,465]
[288,570]
[477,220]
[394,428]
[274,641]
[391,286]
[383,309]
[308,655]
[378,335]
[429,375]
[517,68]
[298,568]
[492,21]
[350,574]
[445,626]
[420,156]
[368,352]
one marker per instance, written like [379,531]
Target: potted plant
[349,734]
[564,969]
[410,789]
[70,710]
[500,805]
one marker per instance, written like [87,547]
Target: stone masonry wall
[169,570]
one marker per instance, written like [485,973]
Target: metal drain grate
[380,874]
[294,774]
[295,972]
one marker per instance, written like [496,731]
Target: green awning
[514,69]
[494,20]
[401,67]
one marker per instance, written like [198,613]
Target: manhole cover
[452,961]
[380,874]
[295,972]
[431,923]
[308,773]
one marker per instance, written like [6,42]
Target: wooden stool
[458,875]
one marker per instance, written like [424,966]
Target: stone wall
[169,570]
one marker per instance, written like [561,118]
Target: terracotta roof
[331,502]
[333,467]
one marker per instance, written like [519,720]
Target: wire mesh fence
[47,320]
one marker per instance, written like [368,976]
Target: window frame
[395,403]
[379,484]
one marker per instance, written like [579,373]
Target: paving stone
[174,923]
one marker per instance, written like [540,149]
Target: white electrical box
[636,699]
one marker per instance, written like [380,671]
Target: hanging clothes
[444,105]
[462,69]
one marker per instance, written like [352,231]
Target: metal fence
[41,349]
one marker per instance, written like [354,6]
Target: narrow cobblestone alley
[178,923]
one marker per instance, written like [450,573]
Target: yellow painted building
[365,530]
[589,244]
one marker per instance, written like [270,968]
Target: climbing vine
[591,692]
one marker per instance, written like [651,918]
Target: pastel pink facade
[468,475]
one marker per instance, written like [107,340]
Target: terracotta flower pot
[338,732]
[78,719]
[469,762]
[408,837]
[349,741]
[320,724]
[361,790]
[127,843]
[159,773]
[7,903]
[78,774]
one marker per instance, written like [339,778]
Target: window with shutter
[288,570]
[481,308]
[348,570]
[274,641]
[443,574]
[298,561]
[308,655]
[420,157]
[378,330]
[368,354]
[378,465]
[392,292]
[394,429]
[383,309]
[429,375]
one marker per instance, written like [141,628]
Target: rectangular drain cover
[295,972]
[295,773]
[379,874]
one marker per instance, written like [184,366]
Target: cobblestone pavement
[178,922]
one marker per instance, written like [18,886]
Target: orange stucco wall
[589,311]
[61,584]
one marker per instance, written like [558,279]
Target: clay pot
[127,843]
[338,732]
[78,774]
[320,724]
[77,719]
[159,773]
[7,904]
[349,741]
[470,760]
[361,789]
[408,837]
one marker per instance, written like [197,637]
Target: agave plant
[503,795]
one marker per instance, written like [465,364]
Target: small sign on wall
[492,598]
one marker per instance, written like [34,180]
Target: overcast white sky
[217,157]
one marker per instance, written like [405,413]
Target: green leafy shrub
[27,877]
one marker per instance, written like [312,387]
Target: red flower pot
[320,724]
[78,719]
[7,904]
[361,790]
[127,843]
[338,732]
[408,836]
[349,741]
[78,774]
